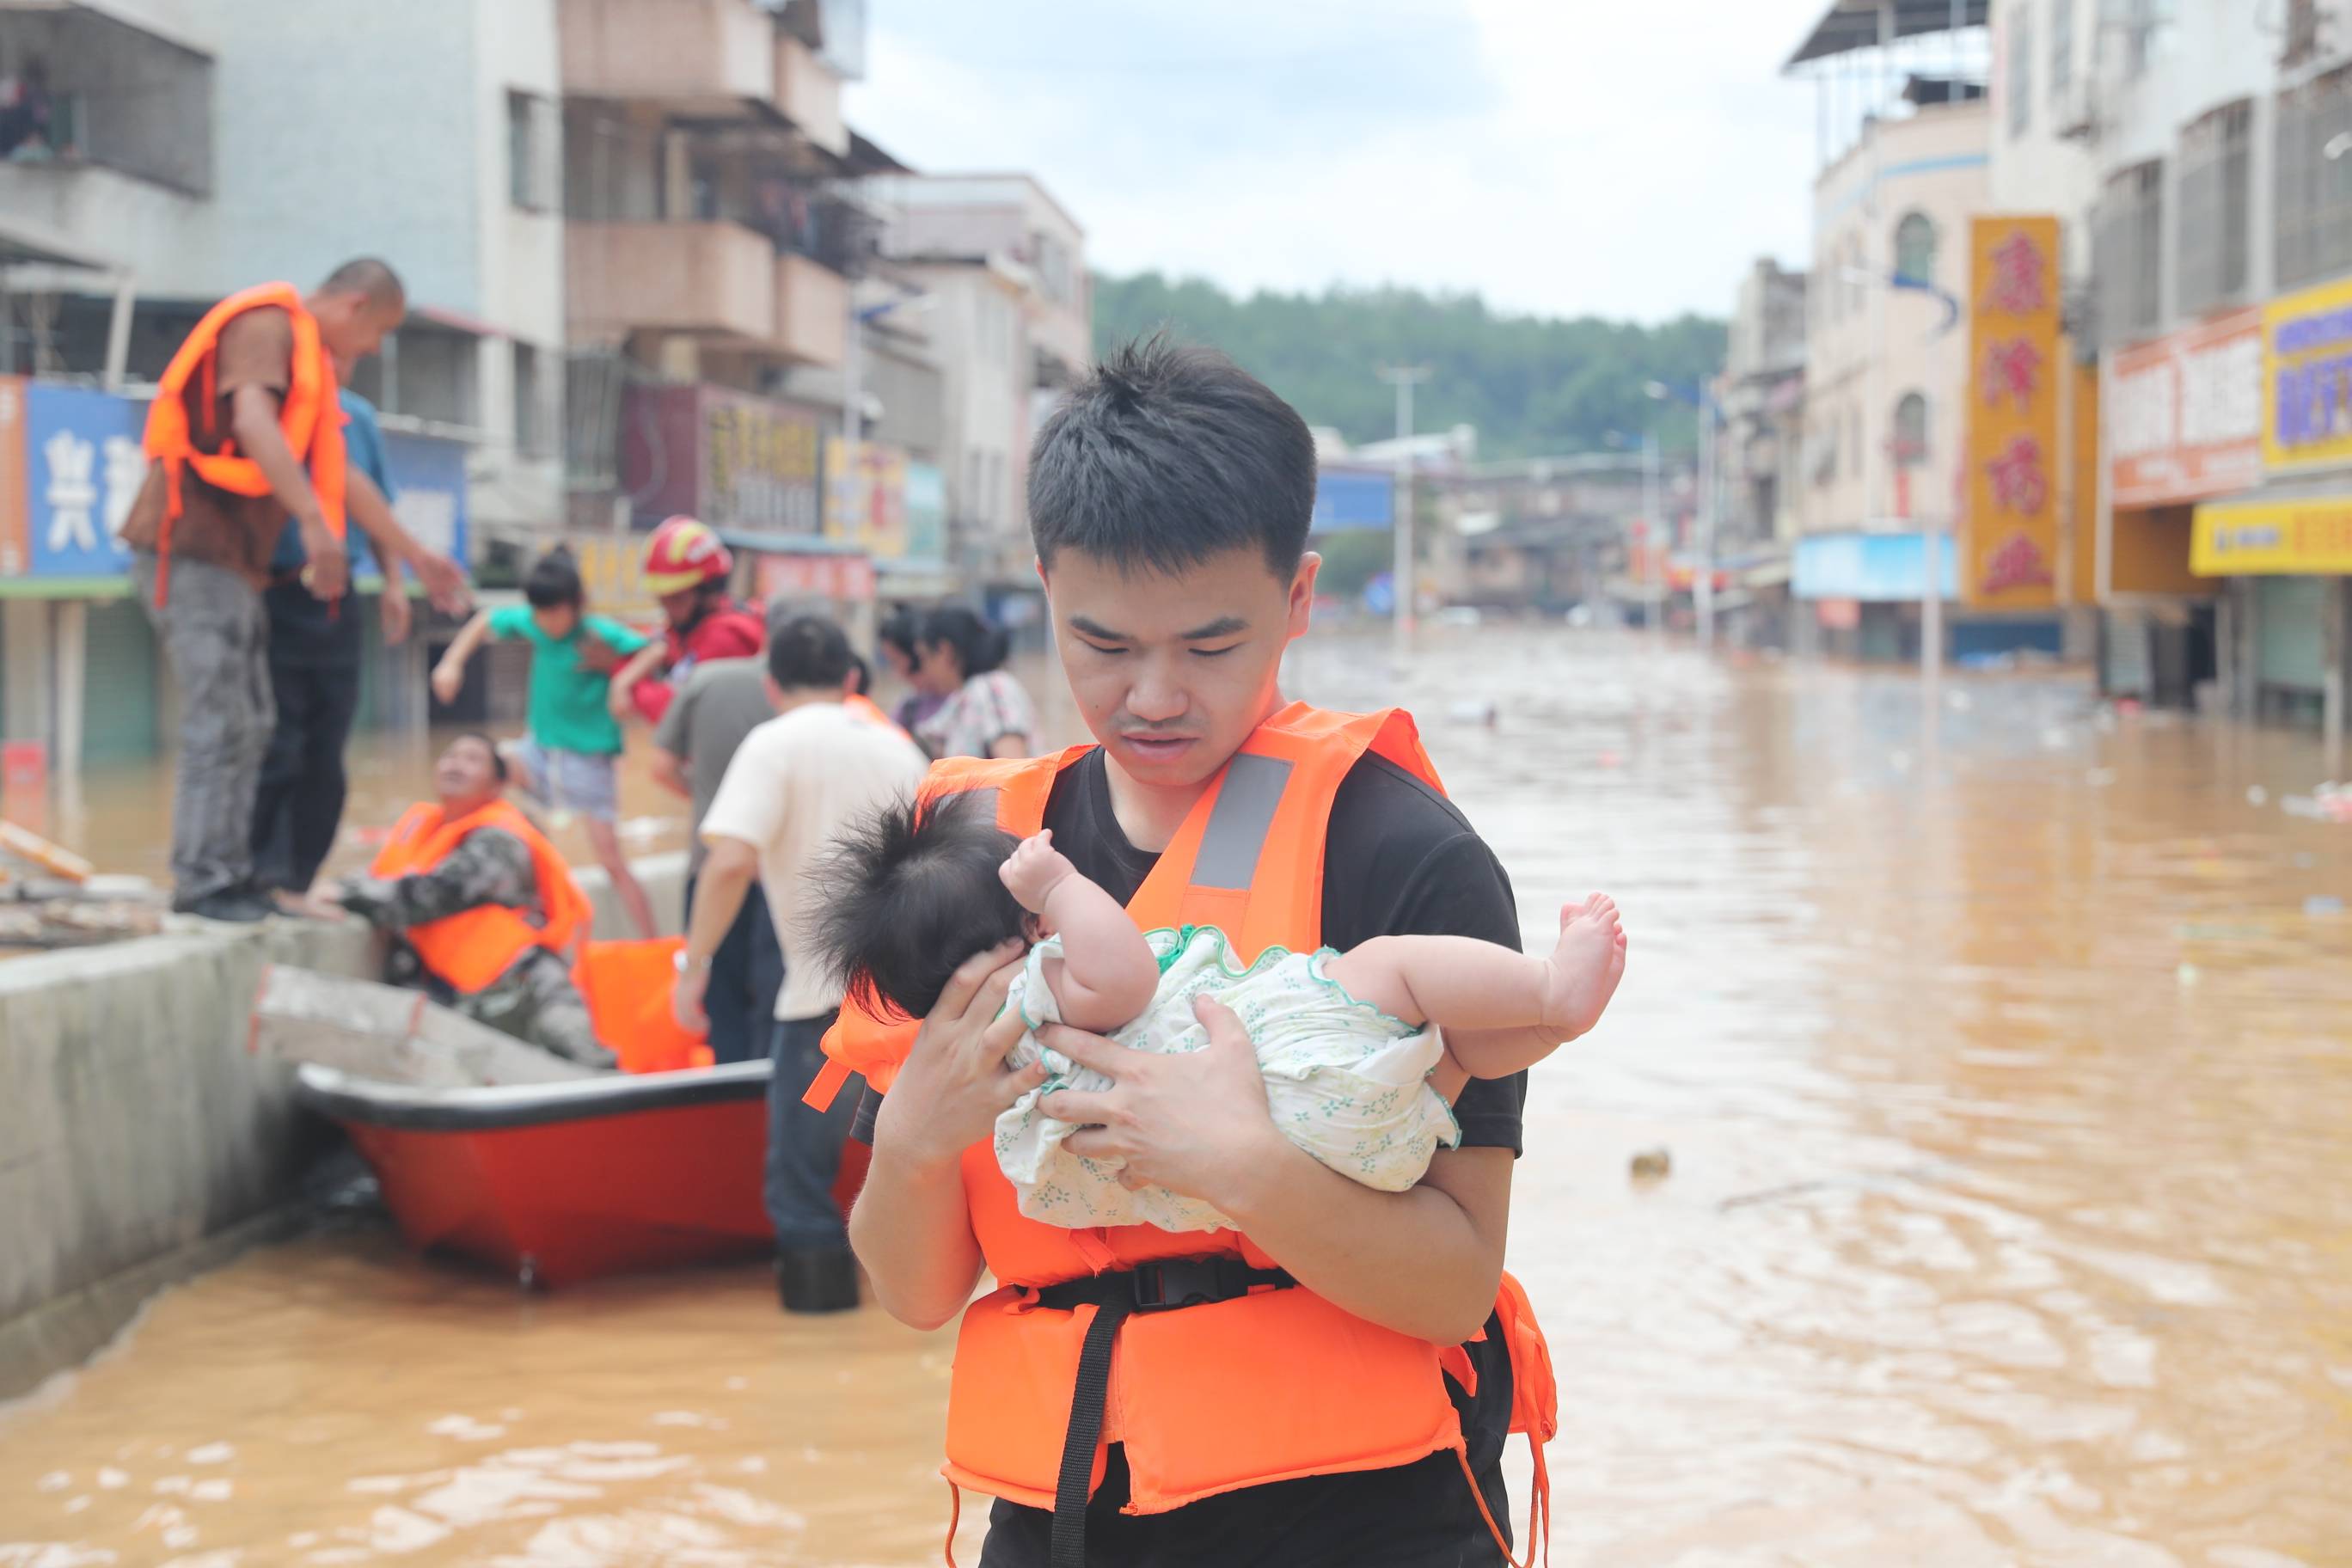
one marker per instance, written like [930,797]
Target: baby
[1355,1074]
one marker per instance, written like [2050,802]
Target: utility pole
[1654,567]
[1702,579]
[1405,378]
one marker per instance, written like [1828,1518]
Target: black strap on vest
[1162,1287]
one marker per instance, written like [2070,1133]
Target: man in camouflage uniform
[535,999]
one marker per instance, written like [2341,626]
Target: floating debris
[1653,1164]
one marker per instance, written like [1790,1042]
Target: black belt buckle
[1174,1282]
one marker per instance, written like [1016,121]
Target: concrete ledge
[139,1141]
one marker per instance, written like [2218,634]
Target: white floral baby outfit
[1345,1081]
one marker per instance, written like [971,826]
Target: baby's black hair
[911,891]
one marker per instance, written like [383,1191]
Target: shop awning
[1852,25]
[2301,529]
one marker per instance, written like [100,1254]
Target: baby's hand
[1033,871]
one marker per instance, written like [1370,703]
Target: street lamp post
[1405,378]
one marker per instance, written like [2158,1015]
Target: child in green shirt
[568,759]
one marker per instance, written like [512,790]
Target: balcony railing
[93,90]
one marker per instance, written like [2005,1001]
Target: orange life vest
[310,414]
[473,947]
[865,708]
[1212,1398]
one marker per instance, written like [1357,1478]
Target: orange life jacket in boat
[1233,1393]
[474,947]
[310,414]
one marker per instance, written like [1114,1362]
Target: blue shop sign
[84,468]
[1871,568]
[1353,499]
[84,465]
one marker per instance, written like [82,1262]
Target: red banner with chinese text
[2010,539]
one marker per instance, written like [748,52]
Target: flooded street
[2005,1069]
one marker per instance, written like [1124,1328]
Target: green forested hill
[1532,385]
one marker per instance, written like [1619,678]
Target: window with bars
[534,428]
[2021,69]
[534,154]
[2216,207]
[2128,246]
[2312,205]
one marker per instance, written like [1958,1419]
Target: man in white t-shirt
[793,783]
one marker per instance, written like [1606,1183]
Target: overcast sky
[1564,157]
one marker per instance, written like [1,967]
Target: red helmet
[682,554]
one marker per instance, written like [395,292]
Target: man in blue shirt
[315,649]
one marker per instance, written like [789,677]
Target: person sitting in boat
[482,911]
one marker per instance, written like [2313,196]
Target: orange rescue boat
[656,1167]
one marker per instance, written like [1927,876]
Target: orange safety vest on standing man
[310,414]
[865,708]
[1242,1389]
[473,947]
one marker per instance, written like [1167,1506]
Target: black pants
[804,1143]
[300,805]
[746,972]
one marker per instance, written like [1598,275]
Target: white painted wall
[2037,169]
[1933,162]
[980,337]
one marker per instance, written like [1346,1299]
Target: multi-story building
[1886,366]
[2220,263]
[1761,402]
[1011,325]
[712,234]
[188,148]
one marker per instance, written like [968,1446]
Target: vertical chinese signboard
[2009,559]
[866,508]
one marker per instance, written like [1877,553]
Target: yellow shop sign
[2310,538]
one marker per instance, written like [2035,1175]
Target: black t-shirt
[1399,859]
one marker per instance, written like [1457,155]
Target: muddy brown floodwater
[2006,1074]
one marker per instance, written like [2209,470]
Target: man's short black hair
[806,652]
[368,275]
[555,581]
[911,891]
[1167,454]
[497,758]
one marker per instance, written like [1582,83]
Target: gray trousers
[216,635]
[803,1145]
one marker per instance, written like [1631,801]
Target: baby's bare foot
[1584,967]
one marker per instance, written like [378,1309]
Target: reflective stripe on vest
[309,414]
[1217,1397]
[472,948]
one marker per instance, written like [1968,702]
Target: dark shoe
[237,906]
[817,1278]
